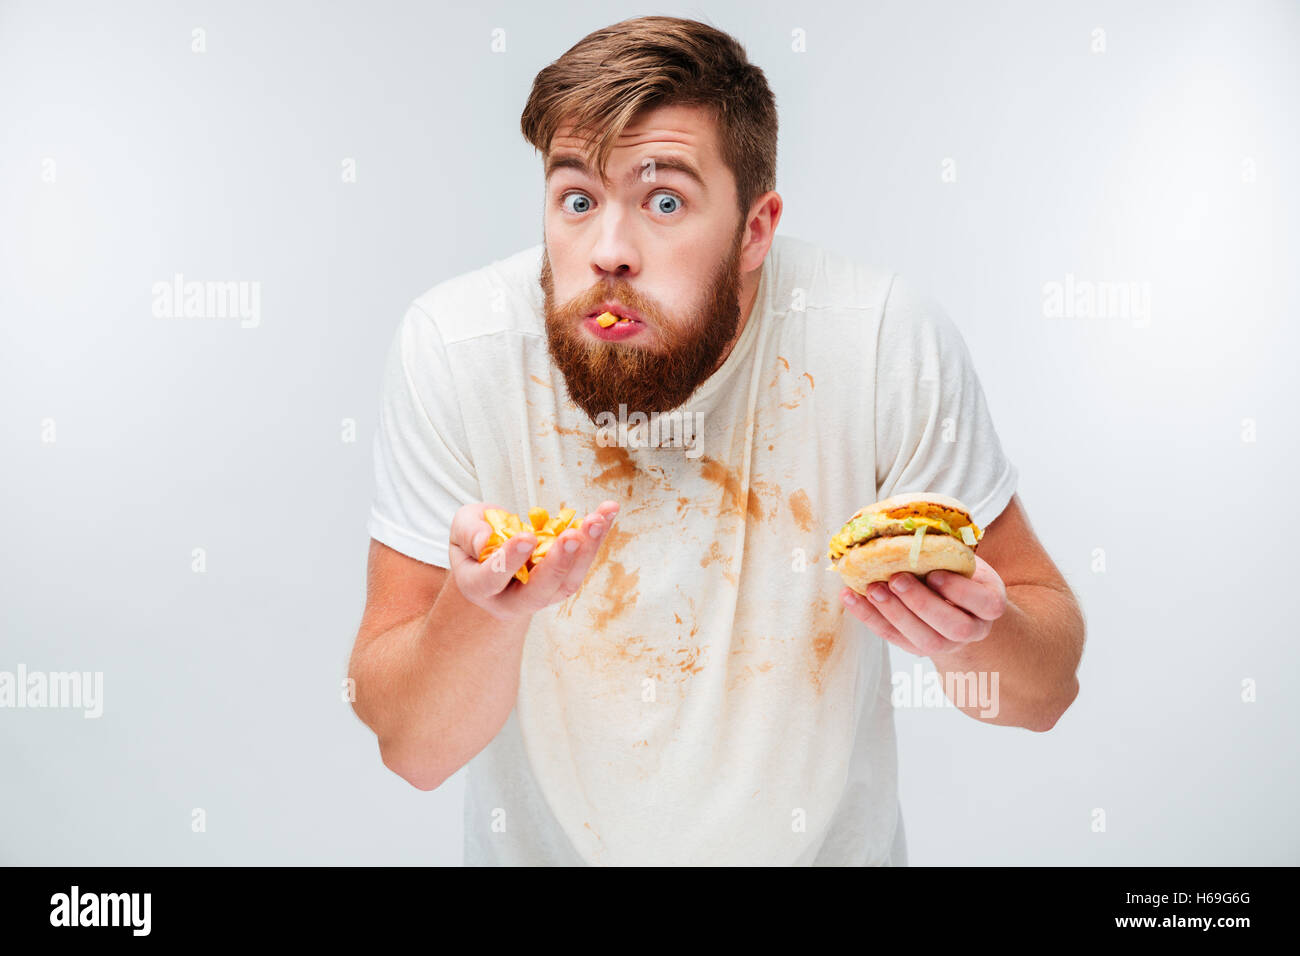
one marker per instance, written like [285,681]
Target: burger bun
[881,558]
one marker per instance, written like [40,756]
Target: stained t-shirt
[704,698]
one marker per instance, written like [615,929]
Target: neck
[748,295]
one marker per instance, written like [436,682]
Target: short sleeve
[423,473]
[933,428]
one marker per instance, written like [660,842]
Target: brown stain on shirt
[618,591]
[749,658]
[800,393]
[801,508]
[735,500]
[616,467]
[716,554]
[824,642]
[675,656]
[623,661]
[542,382]
[620,661]
[687,659]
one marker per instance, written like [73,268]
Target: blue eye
[586,200]
[658,203]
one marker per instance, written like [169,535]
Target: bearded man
[677,681]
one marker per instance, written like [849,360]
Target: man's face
[653,241]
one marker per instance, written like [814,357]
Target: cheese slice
[861,527]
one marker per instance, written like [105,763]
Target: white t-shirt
[705,698]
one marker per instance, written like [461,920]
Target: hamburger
[919,532]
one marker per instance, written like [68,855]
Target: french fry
[496,519]
[547,529]
[560,522]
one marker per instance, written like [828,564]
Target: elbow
[425,785]
[421,774]
[1055,709]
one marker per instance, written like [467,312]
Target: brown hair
[609,77]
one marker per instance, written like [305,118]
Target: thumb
[501,564]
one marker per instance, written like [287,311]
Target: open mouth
[609,314]
[605,323]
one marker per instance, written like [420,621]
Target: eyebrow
[667,163]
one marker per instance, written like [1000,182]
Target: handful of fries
[504,525]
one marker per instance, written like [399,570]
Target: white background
[222,689]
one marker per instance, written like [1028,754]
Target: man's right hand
[492,585]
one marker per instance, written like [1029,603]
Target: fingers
[562,571]
[904,622]
[951,622]
[484,581]
[544,580]
[593,530]
[469,532]
[479,581]
[865,612]
[983,595]
[558,575]
[461,540]
[502,570]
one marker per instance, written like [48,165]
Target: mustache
[591,301]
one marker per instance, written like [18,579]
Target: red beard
[601,375]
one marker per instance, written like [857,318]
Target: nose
[603,273]
[614,256]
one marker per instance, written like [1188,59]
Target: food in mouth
[918,532]
[606,319]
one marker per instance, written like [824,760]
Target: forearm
[1028,659]
[437,688]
